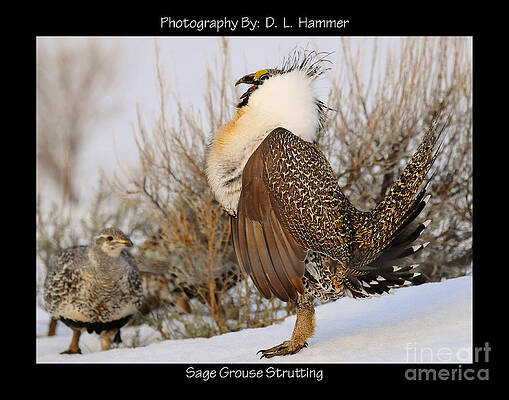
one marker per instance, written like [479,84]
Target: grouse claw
[283,349]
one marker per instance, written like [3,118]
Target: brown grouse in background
[95,287]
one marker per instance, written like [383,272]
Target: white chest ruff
[285,101]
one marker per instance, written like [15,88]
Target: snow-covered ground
[426,323]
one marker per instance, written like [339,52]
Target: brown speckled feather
[375,230]
[265,249]
[291,203]
[306,195]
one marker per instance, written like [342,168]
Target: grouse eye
[110,238]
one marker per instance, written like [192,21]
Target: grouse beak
[249,79]
[125,242]
[246,79]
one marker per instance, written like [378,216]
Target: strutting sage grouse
[95,287]
[294,232]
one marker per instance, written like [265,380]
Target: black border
[91,20]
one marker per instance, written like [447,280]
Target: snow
[430,323]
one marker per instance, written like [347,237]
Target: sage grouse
[95,287]
[294,232]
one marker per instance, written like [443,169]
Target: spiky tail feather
[382,282]
[383,275]
[402,203]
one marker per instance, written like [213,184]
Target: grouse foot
[303,330]
[283,349]
[72,351]
[74,347]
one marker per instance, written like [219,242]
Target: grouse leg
[74,347]
[303,330]
[107,337]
